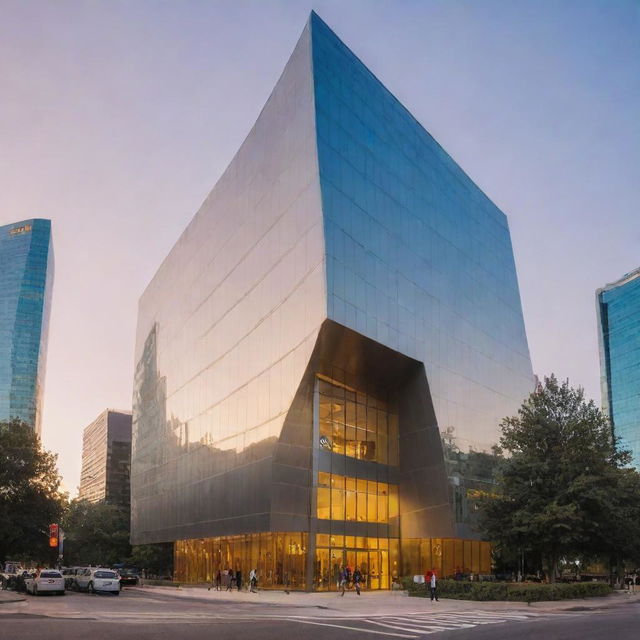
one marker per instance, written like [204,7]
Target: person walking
[433,586]
[216,582]
[343,580]
[338,576]
[239,579]
[357,579]
[253,580]
[230,580]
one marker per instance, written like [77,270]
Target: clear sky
[117,118]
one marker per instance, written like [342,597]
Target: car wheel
[116,593]
[62,593]
[90,588]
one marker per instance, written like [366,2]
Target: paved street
[197,614]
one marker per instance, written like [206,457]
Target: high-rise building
[324,357]
[26,281]
[106,459]
[618,306]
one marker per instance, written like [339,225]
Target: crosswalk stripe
[434,627]
[473,621]
[339,626]
[462,620]
[400,628]
[463,623]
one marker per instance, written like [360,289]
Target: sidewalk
[382,602]
[7,597]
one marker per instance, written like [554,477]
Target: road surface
[141,614]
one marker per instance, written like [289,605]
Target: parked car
[128,576]
[95,579]
[45,581]
[69,575]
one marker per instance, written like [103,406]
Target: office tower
[26,281]
[106,458]
[618,306]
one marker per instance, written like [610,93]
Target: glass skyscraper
[618,306]
[26,280]
[324,357]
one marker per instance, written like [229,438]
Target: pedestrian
[239,579]
[215,583]
[433,586]
[253,580]
[218,580]
[338,575]
[357,579]
[230,580]
[343,580]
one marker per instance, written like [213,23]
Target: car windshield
[104,574]
[50,574]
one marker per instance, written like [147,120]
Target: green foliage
[157,559]
[96,533]
[30,497]
[563,489]
[512,591]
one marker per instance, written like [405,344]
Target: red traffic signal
[53,535]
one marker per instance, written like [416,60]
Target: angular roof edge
[628,277]
[314,17]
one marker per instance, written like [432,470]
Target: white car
[45,581]
[93,580]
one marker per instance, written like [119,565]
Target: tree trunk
[553,568]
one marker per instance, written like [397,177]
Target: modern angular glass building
[618,306]
[26,281]
[325,355]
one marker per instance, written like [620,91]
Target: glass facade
[358,499]
[106,459]
[377,559]
[356,425]
[448,556]
[331,344]
[26,281]
[279,559]
[618,307]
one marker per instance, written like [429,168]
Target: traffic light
[53,535]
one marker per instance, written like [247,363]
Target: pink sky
[117,118]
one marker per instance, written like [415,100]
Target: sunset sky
[118,117]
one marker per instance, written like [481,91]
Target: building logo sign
[325,443]
[18,230]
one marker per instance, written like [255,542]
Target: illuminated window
[356,425]
[346,498]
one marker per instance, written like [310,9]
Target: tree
[96,533]
[564,488]
[157,559]
[30,496]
